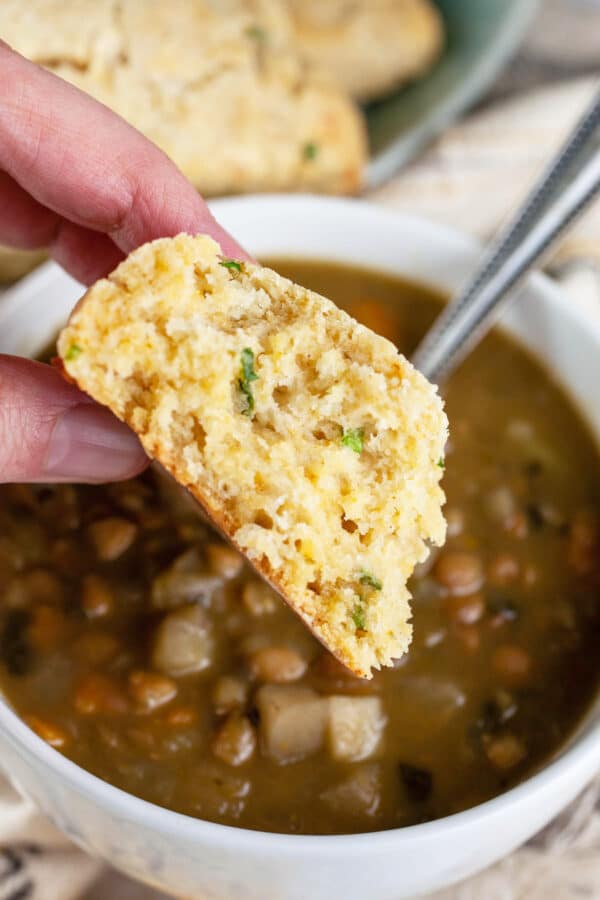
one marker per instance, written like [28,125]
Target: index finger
[82,161]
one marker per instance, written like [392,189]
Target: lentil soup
[138,644]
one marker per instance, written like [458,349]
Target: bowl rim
[585,749]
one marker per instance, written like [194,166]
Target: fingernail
[89,444]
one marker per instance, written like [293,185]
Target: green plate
[481,37]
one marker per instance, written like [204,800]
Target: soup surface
[137,643]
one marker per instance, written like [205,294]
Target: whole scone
[306,437]
[217,85]
[369,47]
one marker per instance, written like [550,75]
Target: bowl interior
[347,231]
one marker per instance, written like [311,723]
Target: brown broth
[496,679]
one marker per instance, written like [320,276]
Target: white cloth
[560,863]
[36,861]
[481,168]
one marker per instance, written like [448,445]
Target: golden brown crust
[226,527]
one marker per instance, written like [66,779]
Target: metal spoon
[565,189]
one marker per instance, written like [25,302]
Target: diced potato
[358,795]
[293,721]
[183,642]
[171,589]
[185,581]
[356,725]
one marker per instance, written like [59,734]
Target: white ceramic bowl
[199,859]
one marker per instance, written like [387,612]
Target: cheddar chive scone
[306,437]
[219,86]
[369,48]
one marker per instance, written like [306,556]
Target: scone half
[307,438]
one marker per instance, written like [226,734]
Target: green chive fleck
[310,151]
[359,617]
[354,439]
[257,33]
[371,580]
[247,376]
[73,352]
[441,463]
[231,264]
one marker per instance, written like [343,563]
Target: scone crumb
[310,441]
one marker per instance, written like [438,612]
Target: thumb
[50,431]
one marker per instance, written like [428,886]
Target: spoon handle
[565,189]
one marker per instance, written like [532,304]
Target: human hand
[76,179]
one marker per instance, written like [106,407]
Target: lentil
[505,752]
[459,572]
[277,665]
[151,690]
[229,693]
[503,569]
[112,537]
[97,599]
[235,741]
[512,664]
[224,561]
[465,610]
[258,598]
[48,732]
